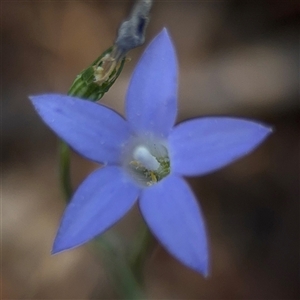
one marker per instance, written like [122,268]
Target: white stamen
[143,155]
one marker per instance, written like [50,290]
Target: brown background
[236,58]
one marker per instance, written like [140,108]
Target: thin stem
[84,86]
[64,169]
[126,274]
[121,276]
[144,245]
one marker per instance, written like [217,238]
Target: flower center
[147,161]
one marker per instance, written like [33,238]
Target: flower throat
[147,162]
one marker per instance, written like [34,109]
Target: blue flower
[145,157]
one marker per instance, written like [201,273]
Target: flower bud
[93,82]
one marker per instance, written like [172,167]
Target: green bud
[93,82]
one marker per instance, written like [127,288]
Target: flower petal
[151,102]
[100,201]
[173,215]
[93,130]
[204,145]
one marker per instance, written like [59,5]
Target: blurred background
[237,58]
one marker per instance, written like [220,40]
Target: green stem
[121,276]
[64,170]
[84,86]
[126,274]
[144,245]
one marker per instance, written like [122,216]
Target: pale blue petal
[151,101]
[93,130]
[100,201]
[204,145]
[173,215]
